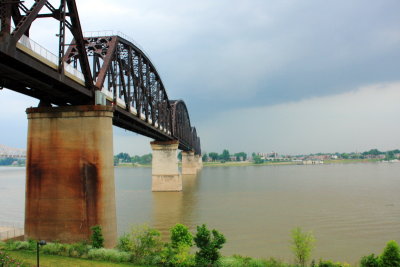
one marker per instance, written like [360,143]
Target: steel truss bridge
[102,68]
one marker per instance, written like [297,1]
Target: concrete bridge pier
[70,174]
[199,161]
[165,170]
[189,163]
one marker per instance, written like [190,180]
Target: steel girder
[109,63]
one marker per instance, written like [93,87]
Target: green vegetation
[208,245]
[302,245]
[177,252]
[12,161]
[142,243]
[390,257]
[97,237]
[29,259]
[125,158]
[143,247]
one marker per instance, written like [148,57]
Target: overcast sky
[290,76]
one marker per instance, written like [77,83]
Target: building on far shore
[312,162]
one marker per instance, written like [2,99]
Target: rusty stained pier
[92,83]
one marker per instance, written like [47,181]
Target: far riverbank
[249,163]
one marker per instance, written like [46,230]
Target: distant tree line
[11,161]
[374,153]
[225,156]
[126,158]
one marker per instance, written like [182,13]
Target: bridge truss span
[107,63]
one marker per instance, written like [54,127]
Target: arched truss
[108,63]
[123,72]
[181,127]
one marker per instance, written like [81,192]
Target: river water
[352,209]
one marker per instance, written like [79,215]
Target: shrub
[332,264]
[109,255]
[97,237]
[20,245]
[124,243]
[370,261]
[391,255]
[143,243]
[176,256]
[208,246]
[177,253]
[239,261]
[180,236]
[8,261]
[52,249]
[77,250]
[302,245]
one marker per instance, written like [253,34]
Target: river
[352,209]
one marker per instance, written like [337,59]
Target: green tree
[97,237]
[205,157]
[6,161]
[177,253]
[208,245]
[145,159]
[225,155]
[124,157]
[391,255]
[257,159]
[213,156]
[374,152]
[370,261]
[344,156]
[241,155]
[302,245]
[390,155]
[116,161]
[180,236]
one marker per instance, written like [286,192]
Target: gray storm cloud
[228,57]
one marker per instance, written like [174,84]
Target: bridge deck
[24,70]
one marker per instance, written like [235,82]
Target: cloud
[224,56]
[354,121]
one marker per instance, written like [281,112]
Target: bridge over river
[95,81]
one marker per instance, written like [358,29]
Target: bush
[8,261]
[370,261]
[332,264]
[124,243]
[20,245]
[208,246]
[302,245]
[143,243]
[391,255]
[97,237]
[176,256]
[180,236]
[76,250]
[109,255]
[177,253]
[239,261]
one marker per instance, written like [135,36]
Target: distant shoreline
[244,163]
[269,163]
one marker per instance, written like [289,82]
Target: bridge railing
[49,58]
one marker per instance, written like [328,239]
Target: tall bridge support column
[70,174]
[199,162]
[165,170]
[189,163]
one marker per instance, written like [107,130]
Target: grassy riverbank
[29,258]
